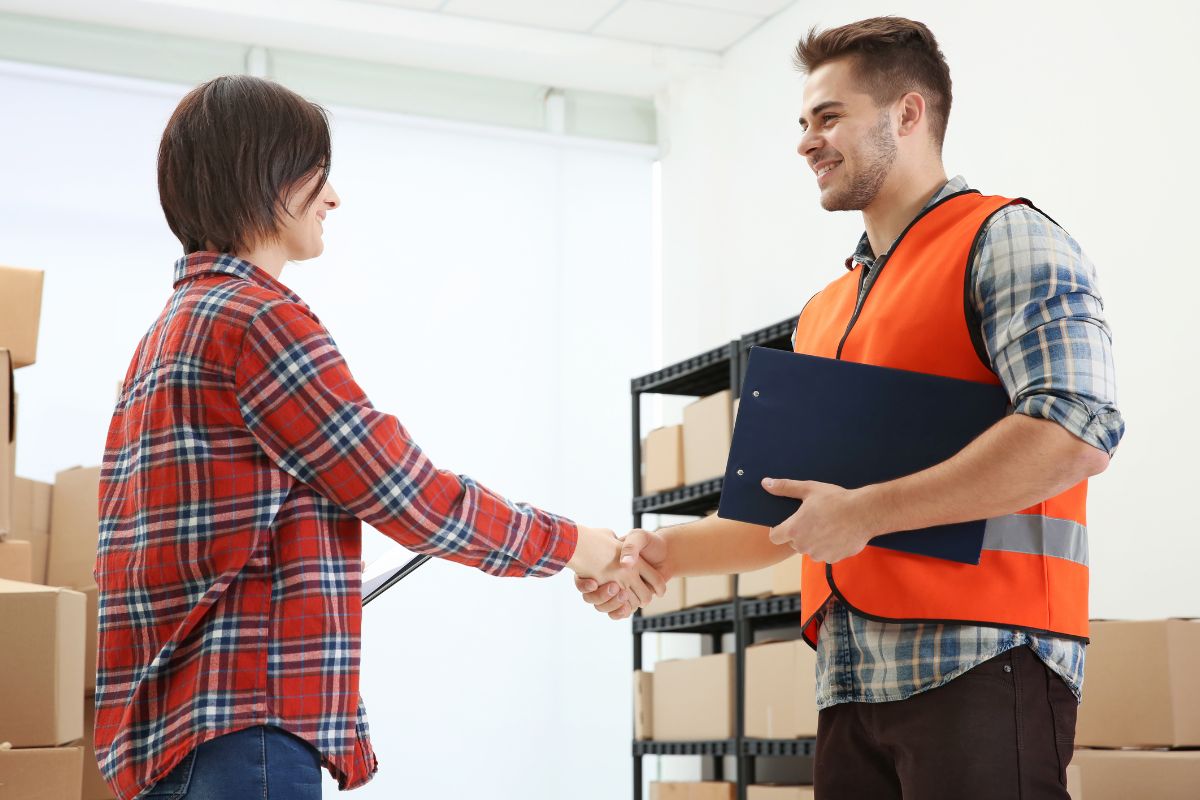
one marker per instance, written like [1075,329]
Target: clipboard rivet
[741,472]
[756,392]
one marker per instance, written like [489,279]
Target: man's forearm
[1017,463]
[715,546]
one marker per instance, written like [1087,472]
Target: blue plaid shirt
[1042,318]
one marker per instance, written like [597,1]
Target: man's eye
[829,118]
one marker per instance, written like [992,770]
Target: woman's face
[300,230]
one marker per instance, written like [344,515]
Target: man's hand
[602,558]
[831,524]
[609,598]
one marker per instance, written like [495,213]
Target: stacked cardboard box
[1142,699]
[49,536]
[695,451]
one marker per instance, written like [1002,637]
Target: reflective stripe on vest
[1033,572]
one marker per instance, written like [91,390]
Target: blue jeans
[259,763]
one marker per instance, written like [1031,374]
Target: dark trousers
[1002,731]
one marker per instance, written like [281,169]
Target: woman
[241,459]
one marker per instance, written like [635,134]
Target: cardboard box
[707,434]
[662,460]
[779,793]
[693,698]
[16,561]
[756,583]
[90,635]
[671,600]
[692,790]
[74,527]
[708,589]
[94,787]
[51,773]
[785,576]
[643,705]
[781,690]
[41,693]
[1142,688]
[1127,774]
[1074,782]
[20,312]
[31,521]
[8,443]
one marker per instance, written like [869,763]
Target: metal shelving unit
[704,374]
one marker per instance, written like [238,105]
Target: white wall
[487,288]
[1086,108]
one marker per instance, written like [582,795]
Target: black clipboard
[850,424]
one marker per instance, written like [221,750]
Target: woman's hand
[598,557]
[609,598]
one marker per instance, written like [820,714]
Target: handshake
[618,576]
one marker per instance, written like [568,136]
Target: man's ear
[912,112]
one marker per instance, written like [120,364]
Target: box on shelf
[74,527]
[671,600]
[785,576]
[756,583]
[41,773]
[643,705]
[1142,689]
[1074,782]
[8,443]
[42,687]
[16,561]
[693,698]
[94,787]
[31,521]
[780,690]
[692,790]
[662,460]
[763,792]
[20,312]
[706,590]
[1125,774]
[707,434]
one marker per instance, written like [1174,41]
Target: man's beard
[880,151]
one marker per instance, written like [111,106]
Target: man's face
[848,141]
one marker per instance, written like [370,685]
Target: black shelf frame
[701,375]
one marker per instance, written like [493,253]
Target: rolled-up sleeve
[1042,320]
[299,400]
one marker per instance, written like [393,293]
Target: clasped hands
[831,524]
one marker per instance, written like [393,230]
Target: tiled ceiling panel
[566,15]
[678,25]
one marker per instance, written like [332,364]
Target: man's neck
[900,199]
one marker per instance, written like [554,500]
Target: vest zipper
[864,288]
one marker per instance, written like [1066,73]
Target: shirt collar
[206,262]
[864,255]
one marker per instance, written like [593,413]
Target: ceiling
[625,47]
[711,25]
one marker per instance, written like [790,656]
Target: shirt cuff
[1101,428]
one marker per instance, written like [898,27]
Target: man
[934,679]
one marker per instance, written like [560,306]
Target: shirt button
[1008,667]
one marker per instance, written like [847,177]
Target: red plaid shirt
[240,460]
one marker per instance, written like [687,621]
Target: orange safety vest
[1033,573]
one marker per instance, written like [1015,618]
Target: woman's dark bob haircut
[232,154]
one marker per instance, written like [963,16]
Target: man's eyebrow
[819,107]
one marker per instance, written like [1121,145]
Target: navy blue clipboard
[810,418]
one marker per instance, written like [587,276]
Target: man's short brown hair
[892,56]
[230,156]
